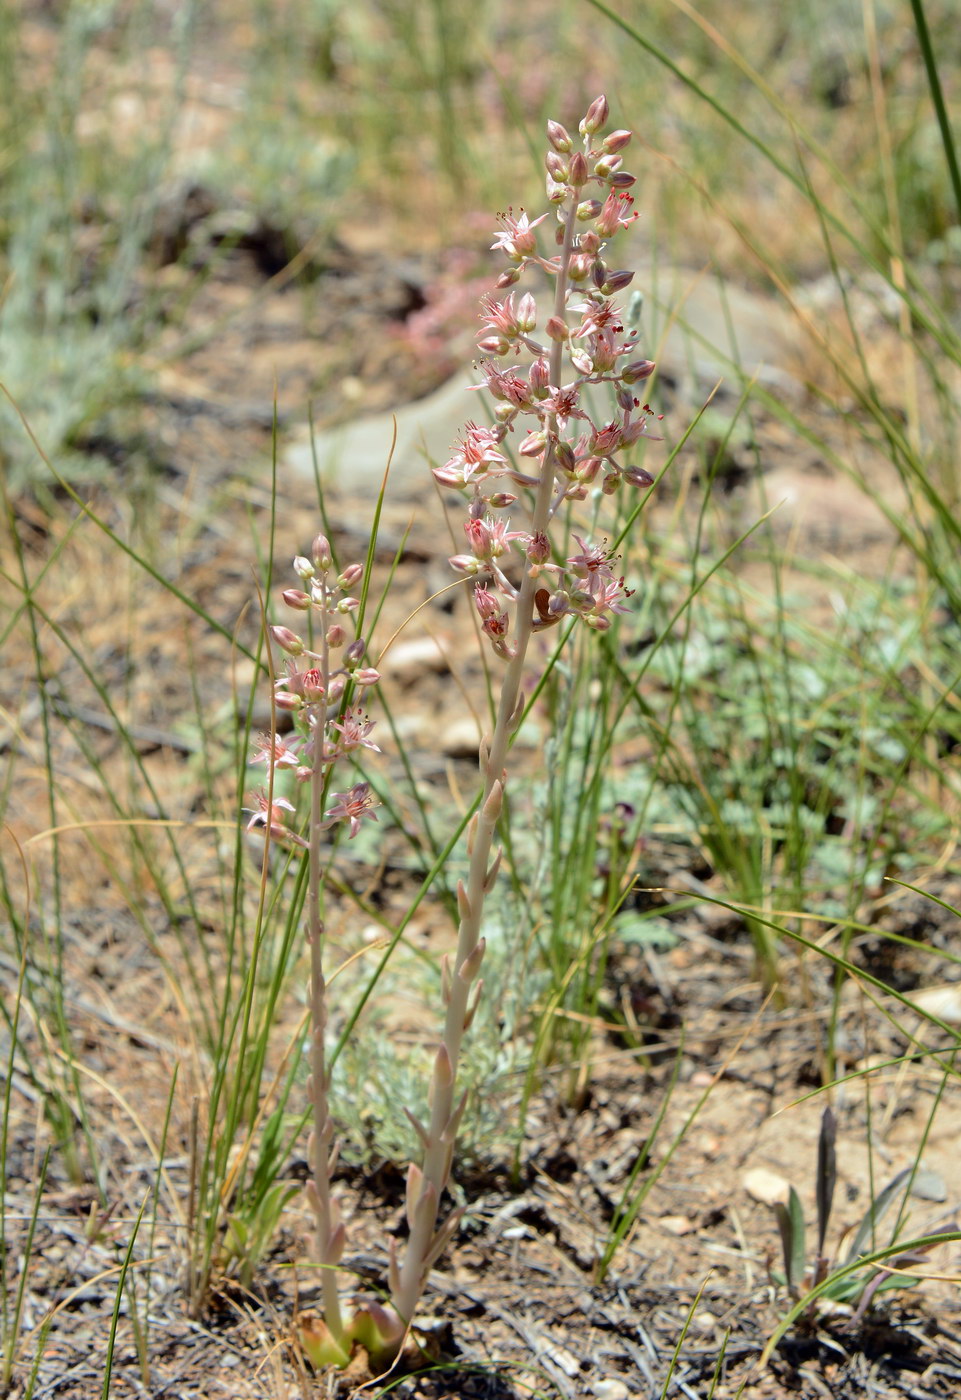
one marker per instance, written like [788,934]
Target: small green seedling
[861,1286]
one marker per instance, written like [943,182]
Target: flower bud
[303,568]
[286,700]
[617,281]
[346,605]
[564,457]
[296,598]
[508,278]
[355,653]
[621,180]
[637,369]
[637,476]
[351,576]
[527,313]
[501,499]
[485,601]
[610,483]
[320,552]
[558,137]
[533,445]
[288,640]
[578,173]
[366,675]
[557,168]
[336,688]
[589,241]
[538,548]
[616,141]
[595,117]
[335,635]
[556,193]
[494,345]
[588,209]
[540,376]
[557,329]
[605,167]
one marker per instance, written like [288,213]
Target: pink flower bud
[508,278]
[485,602]
[355,652]
[564,457]
[466,564]
[296,598]
[588,209]
[621,180]
[617,281]
[533,445]
[320,552]
[288,640]
[336,688]
[605,167]
[336,635]
[578,173]
[558,137]
[637,369]
[616,141]
[610,483]
[637,476]
[582,361]
[494,345]
[540,376]
[595,117]
[286,700]
[589,241]
[588,469]
[557,329]
[538,548]
[527,312]
[556,167]
[303,568]
[351,576]
[501,499]
[556,193]
[366,676]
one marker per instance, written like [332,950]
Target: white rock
[765,1186]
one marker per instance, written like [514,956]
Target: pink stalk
[330,1235]
[585,587]
[313,691]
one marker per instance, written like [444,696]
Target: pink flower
[269,816]
[353,727]
[517,238]
[306,685]
[276,752]
[615,215]
[592,564]
[353,806]
[478,450]
[505,385]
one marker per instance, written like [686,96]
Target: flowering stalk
[328,727]
[567,452]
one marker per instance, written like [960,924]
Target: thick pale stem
[325,1211]
[436,1165]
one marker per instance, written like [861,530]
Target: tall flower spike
[559,452]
